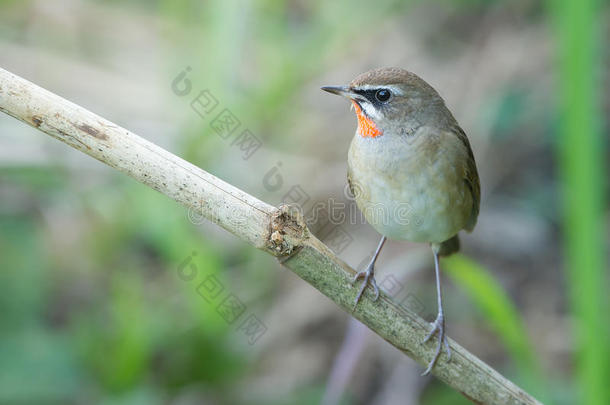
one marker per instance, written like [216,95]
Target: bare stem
[275,230]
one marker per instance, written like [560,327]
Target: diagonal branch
[277,231]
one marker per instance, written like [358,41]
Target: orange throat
[366,126]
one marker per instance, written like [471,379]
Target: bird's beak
[344,91]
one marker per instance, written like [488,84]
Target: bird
[411,171]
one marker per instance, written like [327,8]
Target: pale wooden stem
[275,230]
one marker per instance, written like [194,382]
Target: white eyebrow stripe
[394,89]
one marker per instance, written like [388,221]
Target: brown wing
[471,178]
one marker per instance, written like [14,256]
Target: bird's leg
[438,327]
[369,275]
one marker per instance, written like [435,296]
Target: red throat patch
[366,126]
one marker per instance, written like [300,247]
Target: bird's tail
[449,247]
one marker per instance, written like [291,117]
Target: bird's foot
[369,278]
[438,327]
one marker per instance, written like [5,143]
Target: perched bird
[411,171]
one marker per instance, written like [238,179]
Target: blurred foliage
[114,336]
[582,172]
[502,316]
[92,307]
[90,324]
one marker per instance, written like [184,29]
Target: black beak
[344,91]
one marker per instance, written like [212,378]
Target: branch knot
[287,230]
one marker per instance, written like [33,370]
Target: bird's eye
[383,95]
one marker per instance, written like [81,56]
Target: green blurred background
[97,302]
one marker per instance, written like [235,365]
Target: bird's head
[389,99]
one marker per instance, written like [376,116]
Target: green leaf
[500,313]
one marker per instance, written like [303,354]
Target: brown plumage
[410,168]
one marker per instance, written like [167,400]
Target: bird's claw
[438,327]
[369,278]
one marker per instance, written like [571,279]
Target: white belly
[407,190]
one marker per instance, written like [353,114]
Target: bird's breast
[411,187]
